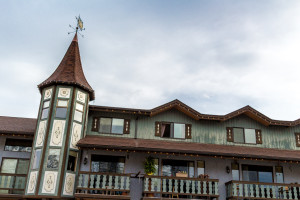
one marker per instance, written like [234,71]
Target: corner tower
[61,124]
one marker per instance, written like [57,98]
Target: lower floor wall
[215,168]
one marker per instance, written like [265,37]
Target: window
[18,145]
[36,159]
[257,173]
[78,112]
[112,125]
[235,170]
[114,164]
[173,130]
[61,109]
[45,109]
[72,161]
[53,158]
[178,168]
[244,135]
[279,174]
[13,166]
[200,168]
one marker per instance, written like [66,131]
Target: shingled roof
[17,125]
[69,71]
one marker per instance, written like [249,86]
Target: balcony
[179,187]
[254,190]
[103,185]
[12,185]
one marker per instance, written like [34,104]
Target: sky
[215,56]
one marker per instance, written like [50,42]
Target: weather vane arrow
[78,27]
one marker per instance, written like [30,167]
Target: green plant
[149,165]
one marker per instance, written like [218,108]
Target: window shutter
[229,134]
[126,129]
[258,136]
[95,124]
[188,131]
[158,129]
[297,135]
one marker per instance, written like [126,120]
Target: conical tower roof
[69,71]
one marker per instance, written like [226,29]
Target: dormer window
[173,130]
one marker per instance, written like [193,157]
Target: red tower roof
[69,71]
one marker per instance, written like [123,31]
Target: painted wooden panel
[205,131]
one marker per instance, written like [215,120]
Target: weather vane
[78,27]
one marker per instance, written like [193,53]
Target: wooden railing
[103,183]
[12,183]
[249,190]
[175,186]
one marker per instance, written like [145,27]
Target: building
[74,150]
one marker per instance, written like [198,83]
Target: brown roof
[69,71]
[188,147]
[176,104]
[17,125]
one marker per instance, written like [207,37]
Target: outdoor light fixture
[227,169]
[85,160]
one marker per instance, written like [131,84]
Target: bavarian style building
[74,150]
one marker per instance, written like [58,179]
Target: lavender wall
[214,167]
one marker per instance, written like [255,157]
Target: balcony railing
[103,184]
[176,187]
[12,183]
[251,190]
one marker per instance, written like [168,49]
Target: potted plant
[149,166]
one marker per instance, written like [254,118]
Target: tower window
[45,110]
[72,161]
[61,109]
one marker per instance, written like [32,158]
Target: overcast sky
[215,56]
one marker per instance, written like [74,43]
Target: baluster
[170,185]
[256,190]
[204,187]
[146,187]
[127,183]
[268,191]
[158,184]
[92,181]
[97,181]
[290,192]
[181,186]
[262,189]
[79,180]
[295,193]
[193,187]
[284,192]
[116,186]
[86,180]
[251,190]
[176,186]
[216,188]
[104,182]
[245,190]
[210,187]
[187,189]
[199,187]
[122,183]
[152,184]
[110,181]
[234,189]
[273,192]
[164,185]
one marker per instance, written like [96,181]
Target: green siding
[206,131]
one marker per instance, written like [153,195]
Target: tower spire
[69,71]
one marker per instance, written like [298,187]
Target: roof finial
[79,27]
